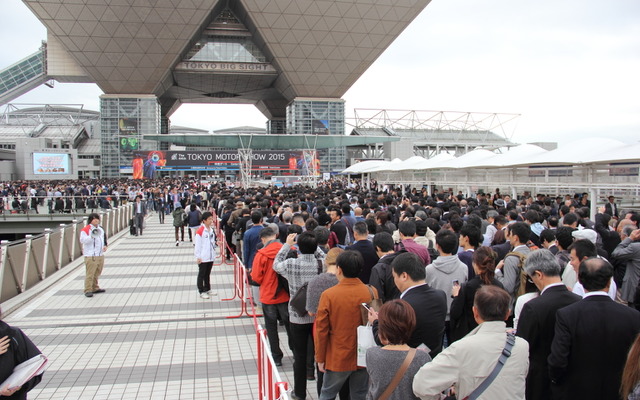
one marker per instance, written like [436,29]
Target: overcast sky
[570,67]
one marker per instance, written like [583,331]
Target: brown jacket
[337,322]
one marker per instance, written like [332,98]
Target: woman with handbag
[391,368]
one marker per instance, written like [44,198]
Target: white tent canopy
[469,159]
[584,151]
[624,153]
[364,166]
[388,166]
[435,161]
[408,164]
[513,156]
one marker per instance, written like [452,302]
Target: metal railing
[270,384]
[24,263]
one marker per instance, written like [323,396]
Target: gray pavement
[150,336]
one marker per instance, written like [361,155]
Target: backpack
[522,274]
[283,284]
[433,253]
[348,238]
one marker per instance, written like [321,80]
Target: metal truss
[49,114]
[245,160]
[457,122]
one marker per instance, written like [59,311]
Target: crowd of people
[471,270]
[484,296]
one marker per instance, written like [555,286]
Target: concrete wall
[8,170]
[402,149]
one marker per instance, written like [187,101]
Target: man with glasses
[538,318]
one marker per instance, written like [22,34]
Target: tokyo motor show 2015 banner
[147,163]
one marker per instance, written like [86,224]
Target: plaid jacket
[298,271]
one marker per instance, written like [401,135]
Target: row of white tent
[581,152]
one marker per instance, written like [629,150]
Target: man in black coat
[381,276]
[592,338]
[364,247]
[538,319]
[611,207]
[429,304]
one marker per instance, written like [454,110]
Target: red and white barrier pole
[243,291]
[270,385]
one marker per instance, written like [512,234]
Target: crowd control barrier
[26,262]
[241,289]
[270,384]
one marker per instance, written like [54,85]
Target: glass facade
[226,49]
[277,126]
[320,117]
[226,39]
[23,71]
[123,122]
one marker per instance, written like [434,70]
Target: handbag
[365,342]
[185,220]
[398,376]
[375,304]
[299,300]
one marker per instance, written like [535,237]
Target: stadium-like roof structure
[262,52]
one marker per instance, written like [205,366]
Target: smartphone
[455,282]
[365,305]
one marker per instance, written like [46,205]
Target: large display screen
[51,164]
[146,164]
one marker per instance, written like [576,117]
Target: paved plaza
[150,336]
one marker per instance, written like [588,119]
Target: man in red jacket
[274,294]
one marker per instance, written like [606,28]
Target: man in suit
[548,239]
[538,319]
[429,304]
[628,251]
[508,271]
[140,209]
[337,322]
[381,274]
[592,338]
[611,207]
[365,248]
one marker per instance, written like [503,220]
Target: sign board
[206,66]
[146,164]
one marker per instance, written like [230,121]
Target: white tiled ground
[150,336]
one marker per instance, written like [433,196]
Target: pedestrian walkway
[150,336]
